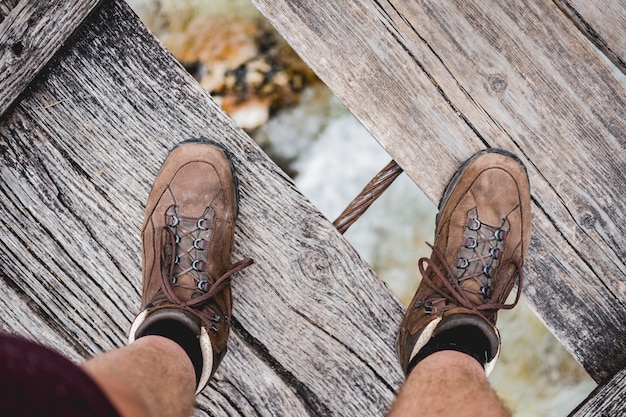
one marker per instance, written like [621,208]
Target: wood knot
[497,83]
[588,220]
[315,264]
[17,48]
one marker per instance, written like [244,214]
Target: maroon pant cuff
[37,381]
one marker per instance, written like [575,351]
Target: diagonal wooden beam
[5,8]
[603,22]
[30,36]
[436,81]
[608,399]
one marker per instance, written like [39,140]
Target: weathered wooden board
[78,153]
[32,32]
[436,81]
[607,400]
[5,8]
[604,22]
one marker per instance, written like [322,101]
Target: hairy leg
[151,377]
[448,383]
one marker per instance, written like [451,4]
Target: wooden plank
[436,81]
[5,8]
[312,323]
[607,400]
[30,35]
[20,315]
[40,254]
[603,22]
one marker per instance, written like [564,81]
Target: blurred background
[237,56]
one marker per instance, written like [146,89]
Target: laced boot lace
[471,282]
[183,251]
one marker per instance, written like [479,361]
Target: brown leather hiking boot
[187,242]
[481,238]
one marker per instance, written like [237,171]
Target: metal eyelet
[470,242]
[203,285]
[176,239]
[198,244]
[462,263]
[176,259]
[174,280]
[198,265]
[499,234]
[487,270]
[201,225]
[486,291]
[216,318]
[428,308]
[214,328]
[473,224]
[495,253]
[172,220]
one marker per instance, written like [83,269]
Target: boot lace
[478,258]
[183,251]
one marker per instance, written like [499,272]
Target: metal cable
[370,193]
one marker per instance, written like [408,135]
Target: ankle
[182,335]
[452,360]
[468,340]
[155,368]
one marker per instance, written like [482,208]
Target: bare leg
[151,377]
[448,383]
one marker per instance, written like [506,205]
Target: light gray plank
[21,316]
[603,22]
[5,7]
[607,400]
[30,35]
[228,393]
[436,81]
[78,154]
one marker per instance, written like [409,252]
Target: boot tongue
[475,291]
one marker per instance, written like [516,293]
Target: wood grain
[30,34]
[436,81]
[607,400]
[603,22]
[5,8]
[313,325]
